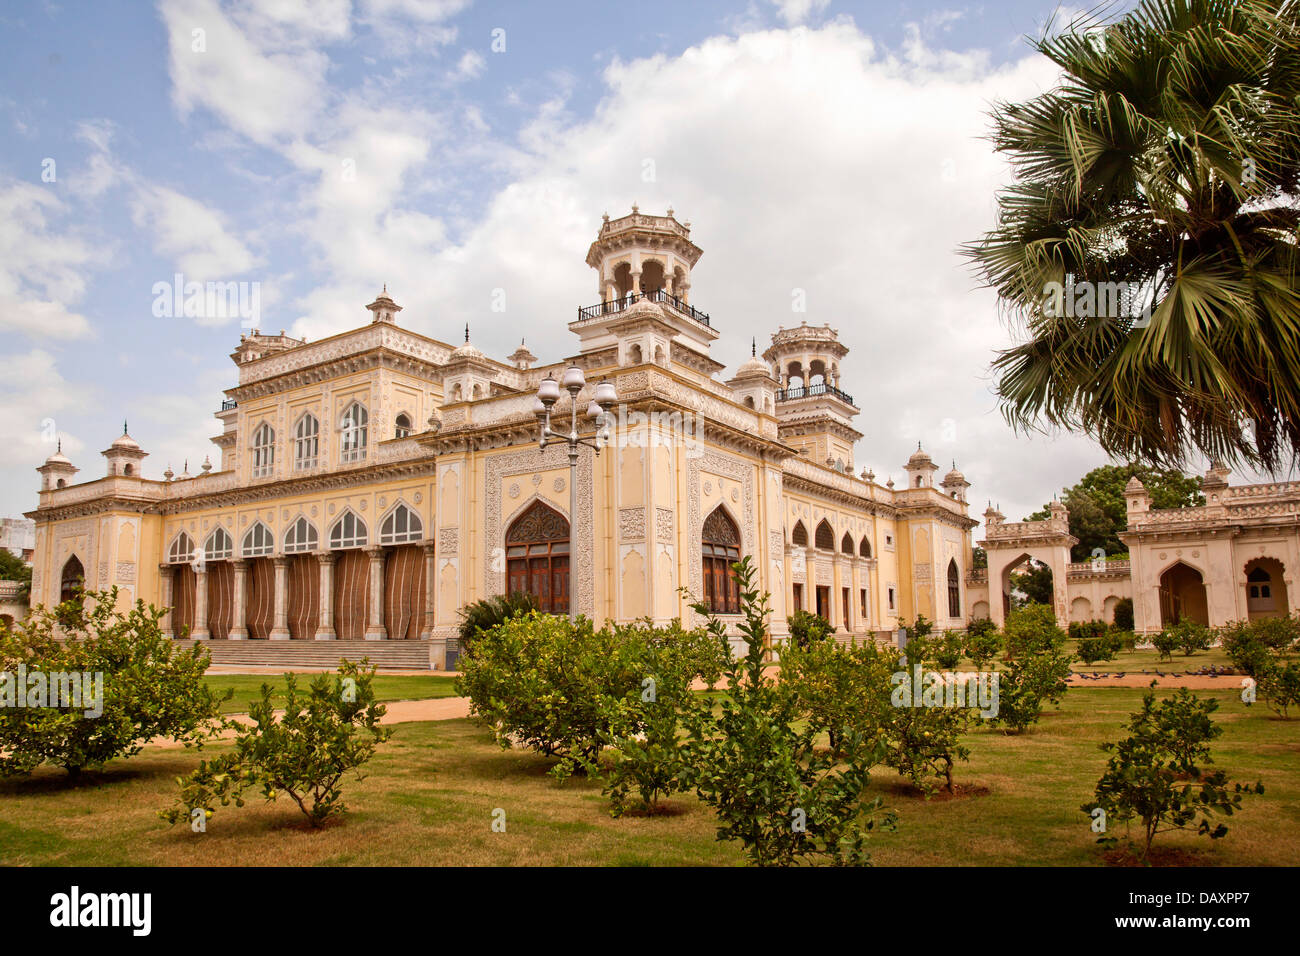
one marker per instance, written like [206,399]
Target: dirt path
[1191,681]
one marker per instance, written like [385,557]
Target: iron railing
[810,391]
[228,404]
[664,298]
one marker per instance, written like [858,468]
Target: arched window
[1260,583]
[537,557]
[954,589]
[128,469]
[355,429]
[182,550]
[73,577]
[306,442]
[220,546]
[825,537]
[799,535]
[864,549]
[263,450]
[401,526]
[720,549]
[301,536]
[402,426]
[348,532]
[846,545]
[258,541]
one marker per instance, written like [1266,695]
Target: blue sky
[452,148]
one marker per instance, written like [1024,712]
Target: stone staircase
[388,655]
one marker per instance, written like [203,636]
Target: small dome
[755,366]
[58,458]
[468,350]
[919,457]
[953,477]
[126,441]
[1134,485]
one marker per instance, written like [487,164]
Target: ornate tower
[643,265]
[124,455]
[57,470]
[814,414]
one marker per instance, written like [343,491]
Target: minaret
[813,413]
[753,383]
[124,456]
[920,469]
[57,470]
[384,309]
[955,483]
[643,266]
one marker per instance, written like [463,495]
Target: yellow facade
[444,441]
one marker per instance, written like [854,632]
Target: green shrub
[1088,630]
[324,734]
[1123,619]
[1246,649]
[1165,642]
[806,627]
[150,688]
[1191,637]
[485,614]
[1144,778]
[841,689]
[755,762]
[642,729]
[983,642]
[948,650]
[1280,688]
[1032,629]
[1027,683]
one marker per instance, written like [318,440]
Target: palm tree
[1166,162]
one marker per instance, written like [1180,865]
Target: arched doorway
[1265,589]
[537,557]
[1027,581]
[1182,596]
[719,550]
[73,577]
[954,589]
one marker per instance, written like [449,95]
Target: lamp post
[548,393]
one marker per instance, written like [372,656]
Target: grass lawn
[431,791]
[1134,661]
[248,687]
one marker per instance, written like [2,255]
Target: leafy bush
[149,687]
[1192,637]
[1032,629]
[330,731]
[1103,648]
[1245,647]
[1165,642]
[948,650]
[1028,682]
[754,760]
[642,728]
[569,691]
[1280,688]
[983,642]
[485,614]
[1123,619]
[1168,743]
[1088,630]
[841,689]
[806,627]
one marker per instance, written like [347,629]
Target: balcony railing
[228,404]
[664,298]
[811,391]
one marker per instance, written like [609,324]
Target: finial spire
[124,426]
[60,444]
[918,446]
[466,331]
[753,348]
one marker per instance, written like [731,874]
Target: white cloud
[468,67]
[42,269]
[794,12]
[192,235]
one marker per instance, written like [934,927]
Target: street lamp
[605,397]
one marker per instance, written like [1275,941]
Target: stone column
[200,603]
[375,630]
[280,629]
[325,629]
[165,598]
[426,626]
[238,622]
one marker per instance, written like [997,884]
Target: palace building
[372,483]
